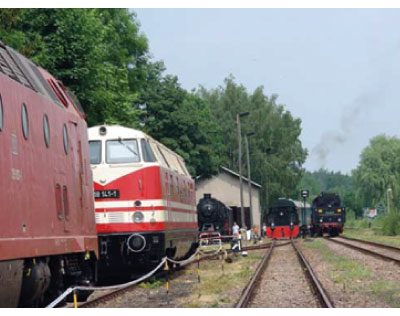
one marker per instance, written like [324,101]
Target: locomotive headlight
[136,242]
[102,130]
[339,210]
[272,225]
[320,211]
[321,220]
[138,217]
[339,219]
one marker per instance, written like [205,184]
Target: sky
[338,70]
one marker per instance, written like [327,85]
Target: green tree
[180,120]
[276,151]
[379,169]
[98,53]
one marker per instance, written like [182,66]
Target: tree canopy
[103,57]
[379,170]
[277,154]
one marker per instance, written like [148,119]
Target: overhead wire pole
[249,176]
[241,114]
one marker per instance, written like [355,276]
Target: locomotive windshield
[122,151]
[95,152]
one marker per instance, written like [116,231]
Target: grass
[372,234]
[355,277]
[343,269]
[221,288]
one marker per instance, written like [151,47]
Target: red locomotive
[47,227]
[144,199]
[283,219]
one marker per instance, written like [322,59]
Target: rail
[253,283]
[319,291]
[364,250]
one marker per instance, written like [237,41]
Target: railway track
[255,283]
[111,295]
[378,250]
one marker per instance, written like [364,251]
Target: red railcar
[144,200]
[47,224]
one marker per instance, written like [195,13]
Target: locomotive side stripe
[144,203]
[127,217]
[145,227]
[143,209]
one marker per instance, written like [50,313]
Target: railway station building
[225,187]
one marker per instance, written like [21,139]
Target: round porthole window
[65,137]
[25,121]
[46,130]
[1,115]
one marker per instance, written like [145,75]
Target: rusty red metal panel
[30,224]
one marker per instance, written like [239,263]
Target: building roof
[233,173]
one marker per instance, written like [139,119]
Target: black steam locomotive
[328,215]
[213,216]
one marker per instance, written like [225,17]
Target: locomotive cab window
[122,151]
[95,152]
[148,155]
[25,121]
[1,114]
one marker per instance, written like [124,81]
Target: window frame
[25,123]
[124,140]
[101,152]
[65,139]
[46,124]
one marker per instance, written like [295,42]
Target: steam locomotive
[328,215]
[283,219]
[214,216]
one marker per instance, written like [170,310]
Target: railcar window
[46,130]
[25,121]
[65,137]
[148,155]
[1,114]
[122,151]
[95,152]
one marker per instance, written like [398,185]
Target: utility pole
[241,114]
[249,176]
[388,192]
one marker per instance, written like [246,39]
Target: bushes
[391,224]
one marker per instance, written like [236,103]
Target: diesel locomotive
[328,215]
[214,216]
[48,237]
[283,219]
[145,203]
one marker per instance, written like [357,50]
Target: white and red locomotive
[144,200]
[47,227]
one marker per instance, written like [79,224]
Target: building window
[25,121]
[46,130]
[65,137]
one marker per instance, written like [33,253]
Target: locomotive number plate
[106,194]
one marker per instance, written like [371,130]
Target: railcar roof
[116,131]
[283,202]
